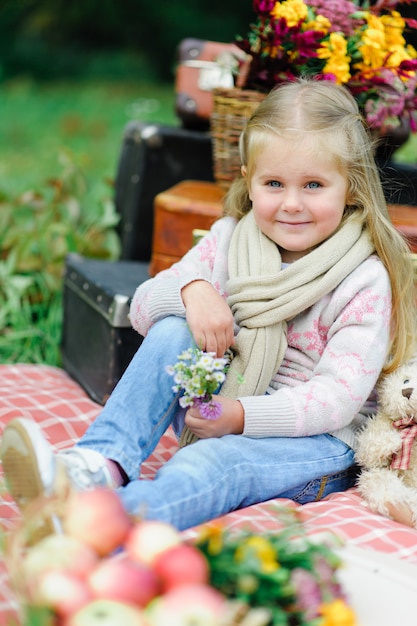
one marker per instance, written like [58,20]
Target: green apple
[107,613]
[58,552]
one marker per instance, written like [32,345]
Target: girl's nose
[291,200]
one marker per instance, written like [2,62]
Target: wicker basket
[231,110]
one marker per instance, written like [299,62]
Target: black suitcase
[153,158]
[399,181]
[98,341]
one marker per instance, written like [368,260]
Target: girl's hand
[209,317]
[230,422]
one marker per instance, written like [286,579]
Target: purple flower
[308,592]
[210,410]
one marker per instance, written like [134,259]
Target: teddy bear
[387,449]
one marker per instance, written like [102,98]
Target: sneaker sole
[23,454]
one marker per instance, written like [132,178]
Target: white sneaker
[33,471]
[86,468]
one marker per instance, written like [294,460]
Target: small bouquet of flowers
[359,44]
[199,375]
[285,577]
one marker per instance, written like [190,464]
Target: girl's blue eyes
[312,185]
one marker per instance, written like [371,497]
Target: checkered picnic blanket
[62,409]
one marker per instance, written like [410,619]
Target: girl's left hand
[230,422]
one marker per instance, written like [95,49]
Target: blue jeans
[214,476]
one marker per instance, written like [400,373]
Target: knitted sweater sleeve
[336,350]
[160,296]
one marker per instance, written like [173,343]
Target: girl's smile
[298,195]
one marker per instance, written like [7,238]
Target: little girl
[306,281]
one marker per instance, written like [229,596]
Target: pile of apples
[109,570]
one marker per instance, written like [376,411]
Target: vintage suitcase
[98,341]
[399,181]
[154,157]
[202,66]
[178,211]
[404,218]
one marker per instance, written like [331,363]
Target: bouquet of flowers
[288,578]
[357,44]
[199,375]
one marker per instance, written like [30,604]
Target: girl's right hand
[208,316]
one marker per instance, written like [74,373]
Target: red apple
[181,565]
[58,552]
[107,613]
[199,605]
[61,591]
[149,538]
[97,518]
[120,578]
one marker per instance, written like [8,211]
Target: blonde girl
[310,286]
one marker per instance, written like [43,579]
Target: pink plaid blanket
[49,396]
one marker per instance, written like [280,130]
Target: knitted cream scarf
[262,297]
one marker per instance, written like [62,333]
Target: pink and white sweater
[336,348]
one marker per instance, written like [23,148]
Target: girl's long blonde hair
[329,114]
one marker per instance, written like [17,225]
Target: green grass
[59,151]
[86,119]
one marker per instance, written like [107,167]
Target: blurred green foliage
[37,230]
[56,38]
[59,149]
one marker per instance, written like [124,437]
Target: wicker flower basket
[231,109]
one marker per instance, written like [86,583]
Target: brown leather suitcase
[202,66]
[178,211]
[404,218]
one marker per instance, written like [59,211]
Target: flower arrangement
[199,375]
[293,578]
[353,43]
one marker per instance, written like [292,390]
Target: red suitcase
[202,66]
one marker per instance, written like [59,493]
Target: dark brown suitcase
[202,66]
[154,157]
[98,341]
[180,210]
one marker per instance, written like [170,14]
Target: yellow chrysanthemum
[372,46]
[337,613]
[321,24]
[213,535]
[293,11]
[394,26]
[334,51]
[263,551]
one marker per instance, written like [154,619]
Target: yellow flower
[293,11]
[337,613]
[262,549]
[213,535]
[337,60]
[373,46]
[321,24]
[394,26]
[395,43]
